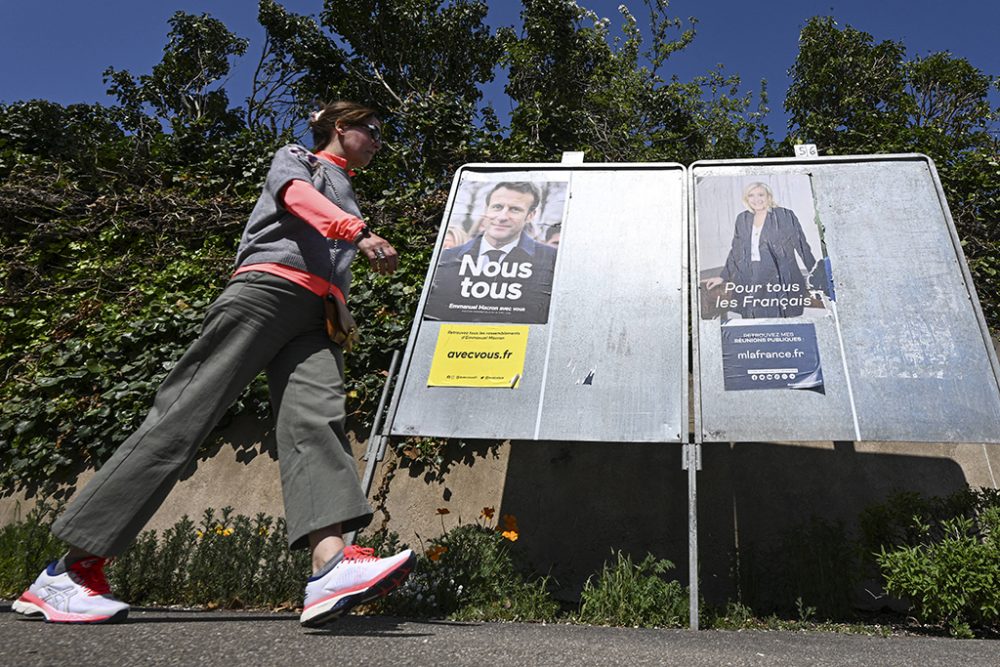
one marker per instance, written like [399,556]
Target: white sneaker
[79,595]
[359,577]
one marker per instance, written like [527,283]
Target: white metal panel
[617,309]
[905,352]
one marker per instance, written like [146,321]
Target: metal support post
[692,463]
[376,444]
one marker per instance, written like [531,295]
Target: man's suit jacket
[531,307]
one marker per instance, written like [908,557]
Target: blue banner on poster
[771,356]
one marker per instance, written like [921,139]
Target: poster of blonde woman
[763,275]
[760,250]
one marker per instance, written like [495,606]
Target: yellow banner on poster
[479,356]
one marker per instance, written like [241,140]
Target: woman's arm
[729,269]
[304,201]
[732,268]
[801,244]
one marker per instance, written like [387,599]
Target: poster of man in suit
[498,258]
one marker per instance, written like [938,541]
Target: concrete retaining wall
[576,502]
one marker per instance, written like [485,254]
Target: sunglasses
[374,131]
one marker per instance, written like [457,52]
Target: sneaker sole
[328,611]
[32,607]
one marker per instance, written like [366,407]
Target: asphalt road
[238,639]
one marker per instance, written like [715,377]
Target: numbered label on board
[806,150]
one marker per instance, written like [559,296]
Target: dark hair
[553,230]
[324,122]
[524,187]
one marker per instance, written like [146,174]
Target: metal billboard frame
[691,442]
[771,432]
[682,415]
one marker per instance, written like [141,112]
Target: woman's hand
[712,283]
[382,257]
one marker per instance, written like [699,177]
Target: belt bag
[340,324]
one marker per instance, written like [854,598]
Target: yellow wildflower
[487,513]
[436,551]
[510,530]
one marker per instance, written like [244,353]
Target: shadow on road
[381,626]
[348,626]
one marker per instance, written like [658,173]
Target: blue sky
[57,50]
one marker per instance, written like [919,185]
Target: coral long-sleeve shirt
[304,201]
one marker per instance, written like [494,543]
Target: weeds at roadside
[736,616]
[945,557]
[469,573]
[954,579]
[225,561]
[27,546]
[634,595]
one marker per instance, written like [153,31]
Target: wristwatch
[365,233]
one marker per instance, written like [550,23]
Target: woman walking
[283,311]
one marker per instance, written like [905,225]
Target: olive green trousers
[260,322]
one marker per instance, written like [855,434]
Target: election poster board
[832,302]
[858,322]
[587,264]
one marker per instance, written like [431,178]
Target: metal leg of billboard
[691,461]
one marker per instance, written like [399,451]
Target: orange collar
[336,159]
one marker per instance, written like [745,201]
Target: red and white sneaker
[79,595]
[358,577]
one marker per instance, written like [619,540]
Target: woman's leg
[319,478]
[319,475]
[324,544]
[242,331]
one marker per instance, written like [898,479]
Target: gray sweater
[273,235]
